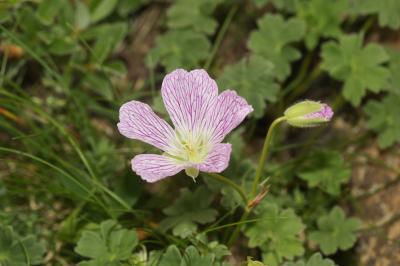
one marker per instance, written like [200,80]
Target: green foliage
[190,209]
[178,48]
[108,244]
[335,231]
[360,68]
[19,251]
[190,257]
[186,43]
[326,170]
[273,40]
[314,260]
[383,119]
[388,11]
[322,19]
[252,79]
[194,14]
[394,67]
[277,234]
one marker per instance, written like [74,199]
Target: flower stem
[260,168]
[230,183]
[264,154]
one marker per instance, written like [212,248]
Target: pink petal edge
[154,167]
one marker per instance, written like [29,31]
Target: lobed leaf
[360,68]
[252,79]
[273,40]
[335,231]
[383,119]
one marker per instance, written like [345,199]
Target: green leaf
[63,45]
[82,16]
[99,9]
[326,170]
[335,231]
[272,41]
[195,14]
[190,209]
[286,5]
[108,36]
[322,18]
[383,118]
[125,7]
[19,251]
[277,234]
[179,48]
[388,11]
[253,80]
[109,243]
[171,257]
[314,260]
[260,3]
[394,67]
[360,68]
[191,257]
[48,10]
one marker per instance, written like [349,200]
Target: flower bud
[308,114]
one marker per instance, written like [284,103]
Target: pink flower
[201,118]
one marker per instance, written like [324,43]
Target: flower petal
[153,167]
[138,121]
[188,96]
[229,111]
[218,159]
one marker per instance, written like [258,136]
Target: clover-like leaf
[190,209]
[109,244]
[195,14]
[314,260]
[388,11]
[326,169]
[335,231]
[272,41]
[190,257]
[360,68]
[251,78]
[384,119]
[19,251]
[277,234]
[322,19]
[179,48]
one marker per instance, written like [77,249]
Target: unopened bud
[308,114]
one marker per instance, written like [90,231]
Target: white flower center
[191,147]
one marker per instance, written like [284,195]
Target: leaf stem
[230,183]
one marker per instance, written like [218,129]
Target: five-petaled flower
[201,118]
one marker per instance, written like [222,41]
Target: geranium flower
[201,118]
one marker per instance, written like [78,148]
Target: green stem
[221,35]
[300,77]
[260,168]
[264,154]
[235,233]
[232,184]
